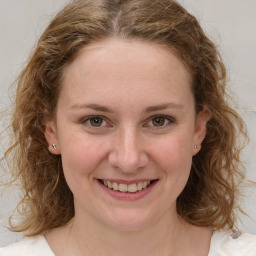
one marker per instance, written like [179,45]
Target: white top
[231,244]
[222,244]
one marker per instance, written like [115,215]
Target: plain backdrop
[230,23]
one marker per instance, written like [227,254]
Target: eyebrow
[92,106]
[149,109]
[162,107]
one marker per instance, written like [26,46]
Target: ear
[200,129]
[51,137]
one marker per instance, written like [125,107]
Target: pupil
[158,121]
[96,121]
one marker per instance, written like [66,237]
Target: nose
[128,153]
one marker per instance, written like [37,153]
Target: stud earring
[195,146]
[54,146]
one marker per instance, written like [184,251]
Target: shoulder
[35,246]
[232,243]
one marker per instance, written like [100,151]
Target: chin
[129,221]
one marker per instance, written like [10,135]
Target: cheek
[175,156]
[81,154]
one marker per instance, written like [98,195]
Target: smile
[130,188]
[127,190]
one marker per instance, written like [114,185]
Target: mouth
[128,188]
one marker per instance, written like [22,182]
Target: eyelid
[84,120]
[170,119]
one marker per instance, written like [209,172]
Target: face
[126,128]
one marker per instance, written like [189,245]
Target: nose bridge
[128,151]
[129,145]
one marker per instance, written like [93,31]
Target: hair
[209,197]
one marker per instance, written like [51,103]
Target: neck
[168,236]
[164,237]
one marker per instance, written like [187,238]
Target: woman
[124,141]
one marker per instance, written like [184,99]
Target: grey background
[230,23]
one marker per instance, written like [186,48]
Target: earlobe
[200,129]
[51,137]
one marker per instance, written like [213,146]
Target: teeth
[132,188]
[109,184]
[123,188]
[139,186]
[115,186]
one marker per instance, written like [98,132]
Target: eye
[95,121]
[160,121]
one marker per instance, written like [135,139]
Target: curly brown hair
[209,196]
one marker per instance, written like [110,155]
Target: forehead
[125,66]
[132,52]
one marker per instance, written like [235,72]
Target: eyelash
[90,118]
[168,119]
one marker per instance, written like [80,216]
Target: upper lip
[127,181]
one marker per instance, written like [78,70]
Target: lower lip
[127,196]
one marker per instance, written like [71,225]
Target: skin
[126,84]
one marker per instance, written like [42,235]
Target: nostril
[128,161]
